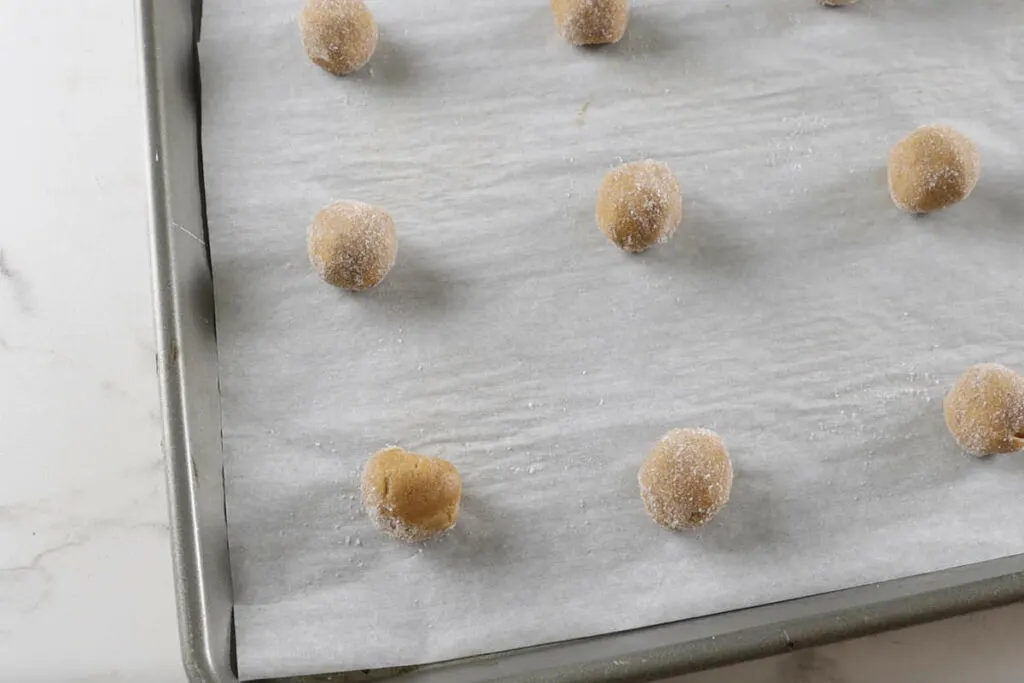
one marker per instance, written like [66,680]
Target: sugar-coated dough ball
[836,3]
[686,479]
[352,245]
[411,497]
[591,22]
[339,35]
[639,204]
[932,168]
[985,410]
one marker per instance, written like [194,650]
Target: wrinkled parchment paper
[797,312]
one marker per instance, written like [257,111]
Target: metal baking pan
[187,358]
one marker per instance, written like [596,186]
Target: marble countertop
[85,571]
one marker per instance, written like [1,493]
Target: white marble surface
[85,576]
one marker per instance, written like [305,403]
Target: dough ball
[352,245]
[836,3]
[686,479]
[591,22]
[932,168]
[985,410]
[411,497]
[339,35]
[639,204]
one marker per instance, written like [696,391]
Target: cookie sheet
[797,312]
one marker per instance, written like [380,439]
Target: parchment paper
[797,312]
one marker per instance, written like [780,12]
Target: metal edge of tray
[186,338]
[187,360]
[659,652]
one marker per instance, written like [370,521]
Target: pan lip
[207,656]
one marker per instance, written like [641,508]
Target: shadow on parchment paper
[925,15]
[705,241]
[414,288]
[996,206]
[391,64]
[477,541]
[749,521]
[889,469]
[647,35]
